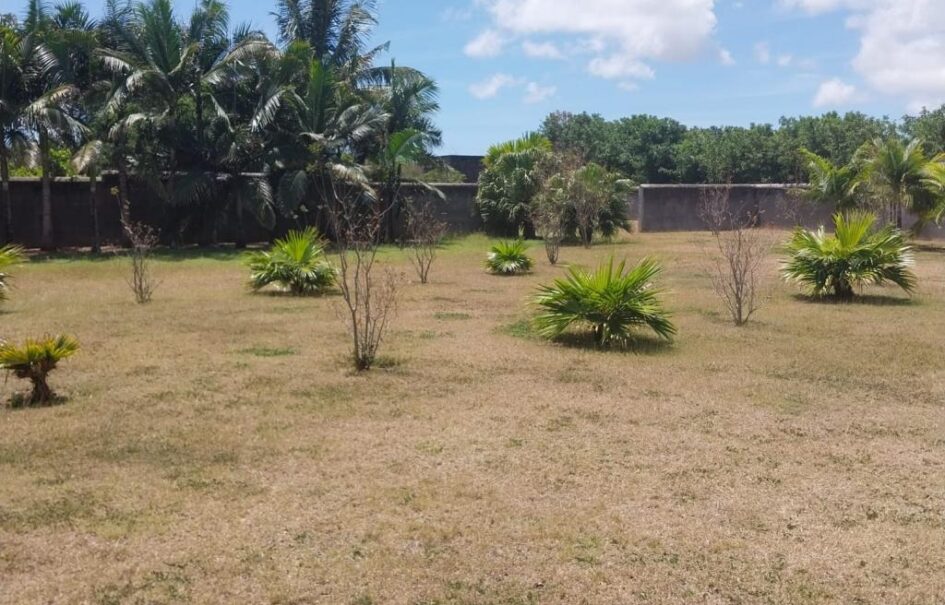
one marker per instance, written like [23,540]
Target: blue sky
[503,65]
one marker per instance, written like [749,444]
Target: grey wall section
[469,165]
[73,227]
[677,207]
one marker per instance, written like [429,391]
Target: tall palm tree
[838,186]
[327,124]
[896,174]
[22,61]
[337,31]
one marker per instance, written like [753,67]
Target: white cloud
[902,45]
[835,93]
[492,86]
[726,58]
[542,50]
[620,66]
[785,60]
[628,86]
[535,93]
[623,36]
[763,53]
[487,44]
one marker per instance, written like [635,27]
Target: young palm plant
[509,258]
[35,360]
[612,301]
[9,256]
[854,256]
[295,263]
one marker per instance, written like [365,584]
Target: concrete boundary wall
[663,208]
[73,226]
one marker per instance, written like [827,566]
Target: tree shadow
[873,300]
[930,248]
[21,402]
[640,345]
[218,253]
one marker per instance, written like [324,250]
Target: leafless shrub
[370,299]
[143,241]
[741,247]
[549,213]
[425,231]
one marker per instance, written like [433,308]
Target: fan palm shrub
[295,263]
[509,258]
[855,255]
[612,301]
[35,359]
[9,255]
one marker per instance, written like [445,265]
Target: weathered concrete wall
[73,226]
[677,207]
[469,165]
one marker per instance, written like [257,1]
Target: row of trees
[216,117]
[647,149]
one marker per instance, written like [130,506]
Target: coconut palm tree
[22,61]
[837,186]
[896,172]
[337,32]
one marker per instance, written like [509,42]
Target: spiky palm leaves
[837,186]
[612,301]
[855,255]
[34,360]
[509,258]
[295,263]
[896,173]
[9,256]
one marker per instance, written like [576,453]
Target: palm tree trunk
[46,237]
[124,209]
[240,229]
[7,198]
[93,207]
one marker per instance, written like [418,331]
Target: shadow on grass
[930,248]
[21,402]
[217,253]
[873,300]
[641,345]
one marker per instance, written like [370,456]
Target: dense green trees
[647,149]
[211,114]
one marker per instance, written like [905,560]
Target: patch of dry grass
[215,447]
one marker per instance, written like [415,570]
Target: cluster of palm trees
[889,176]
[216,118]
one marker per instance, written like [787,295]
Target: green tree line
[648,149]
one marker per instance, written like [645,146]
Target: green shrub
[295,263]
[854,256]
[35,360]
[611,301]
[509,258]
[9,256]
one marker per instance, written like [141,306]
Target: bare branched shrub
[425,232]
[143,240]
[550,214]
[741,248]
[370,298]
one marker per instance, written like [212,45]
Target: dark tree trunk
[93,208]
[240,228]
[47,236]
[7,199]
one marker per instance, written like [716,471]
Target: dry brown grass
[216,449]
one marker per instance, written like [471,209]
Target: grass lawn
[215,448]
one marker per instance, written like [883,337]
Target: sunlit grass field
[214,446]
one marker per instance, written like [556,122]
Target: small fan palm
[9,256]
[295,263]
[612,301]
[509,258]
[35,360]
[854,256]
